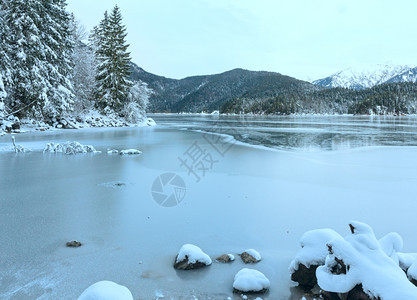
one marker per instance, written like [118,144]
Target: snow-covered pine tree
[40,51]
[26,53]
[58,39]
[113,62]
[4,44]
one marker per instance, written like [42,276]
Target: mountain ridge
[358,78]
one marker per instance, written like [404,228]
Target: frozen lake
[275,179]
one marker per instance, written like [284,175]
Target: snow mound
[194,255]
[69,148]
[313,248]
[249,280]
[359,259]
[106,290]
[130,152]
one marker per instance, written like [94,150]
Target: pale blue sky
[306,39]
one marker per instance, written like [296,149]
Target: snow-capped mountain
[368,76]
[409,75]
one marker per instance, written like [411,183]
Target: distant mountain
[210,92]
[243,91]
[366,77]
[409,75]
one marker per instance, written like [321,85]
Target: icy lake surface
[275,179]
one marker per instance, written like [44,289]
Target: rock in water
[191,257]
[106,290]
[250,281]
[250,256]
[225,258]
[74,244]
[306,277]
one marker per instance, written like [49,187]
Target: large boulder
[312,254]
[191,257]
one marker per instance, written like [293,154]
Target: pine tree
[113,62]
[26,53]
[40,54]
[4,44]
[58,39]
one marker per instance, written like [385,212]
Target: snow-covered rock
[312,254]
[250,281]
[250,256]
[130,152]
[106,290]
[69,148]
[359,259]
[191,257]
[225,258]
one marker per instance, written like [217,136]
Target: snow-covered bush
[106,290]
[69,148]
[137,101]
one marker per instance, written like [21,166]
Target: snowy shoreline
[92,121]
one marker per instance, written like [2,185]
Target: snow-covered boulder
[191,257]
[69,148]
[106,290]
[250,281]
[130,152]
[359,259]
[250,256]
[312,254]
[225,258]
